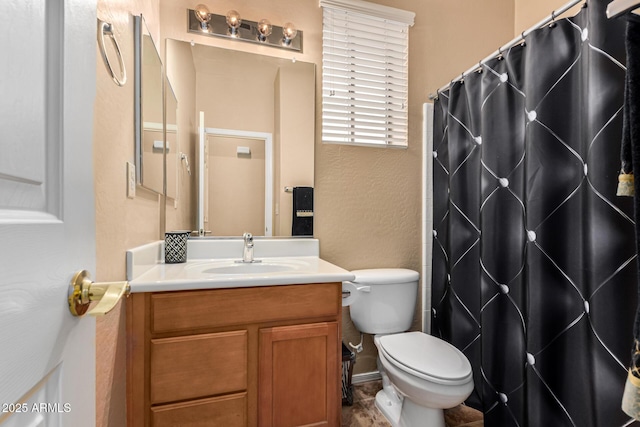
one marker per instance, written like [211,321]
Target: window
[364,73]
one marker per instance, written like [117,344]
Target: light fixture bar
[248,32]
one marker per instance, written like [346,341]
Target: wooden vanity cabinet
[259,356]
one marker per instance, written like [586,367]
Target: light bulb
[203,15]
[264,29]
[233,21]
[289,32]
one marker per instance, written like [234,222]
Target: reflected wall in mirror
[248,92]
[237,190]
[149,134]
[172,141]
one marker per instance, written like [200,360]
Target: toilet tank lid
[379,276]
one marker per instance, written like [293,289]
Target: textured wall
[121,223]
[529,13]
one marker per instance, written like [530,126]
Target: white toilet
[421,374]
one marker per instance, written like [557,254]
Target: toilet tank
[385,299]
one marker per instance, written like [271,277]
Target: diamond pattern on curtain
[534,256]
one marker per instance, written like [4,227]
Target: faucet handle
[248,238]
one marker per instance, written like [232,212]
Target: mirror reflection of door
[236,195]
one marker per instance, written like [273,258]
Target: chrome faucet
[247,253]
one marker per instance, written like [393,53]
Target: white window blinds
[364,73]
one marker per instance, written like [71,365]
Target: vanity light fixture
[232,26]
[203,16]
[233,21]
[264,30]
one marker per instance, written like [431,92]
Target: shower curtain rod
[515,41]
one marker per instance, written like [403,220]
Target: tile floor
[363,412]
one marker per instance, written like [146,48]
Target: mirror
[149,134]
[246,93]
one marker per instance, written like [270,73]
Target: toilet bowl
[421,374]
[429,373]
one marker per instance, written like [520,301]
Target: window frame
[377,109]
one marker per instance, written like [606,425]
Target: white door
[47,225]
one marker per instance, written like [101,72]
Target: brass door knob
[83,291]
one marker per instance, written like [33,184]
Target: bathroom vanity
[257,347]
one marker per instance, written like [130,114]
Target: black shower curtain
[534,265]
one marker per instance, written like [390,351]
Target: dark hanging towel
[630,156]
[302,211]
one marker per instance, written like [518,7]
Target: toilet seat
[426,357]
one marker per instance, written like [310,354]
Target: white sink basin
[211,264]
[234,267]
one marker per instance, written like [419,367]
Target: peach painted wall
[529,13]
[180,214]
[236,180]
[121,223]
[294,136]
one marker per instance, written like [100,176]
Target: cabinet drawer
[224,411]
[179,311]
[198,366]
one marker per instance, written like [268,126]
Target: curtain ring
[500,56]
[524,42]
[480,67]
[553,19]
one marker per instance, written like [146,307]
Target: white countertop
[147,272]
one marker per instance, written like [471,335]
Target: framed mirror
[246,93]
[148,98]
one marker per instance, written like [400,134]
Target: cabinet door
[299,376]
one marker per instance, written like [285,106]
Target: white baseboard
[365,377]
